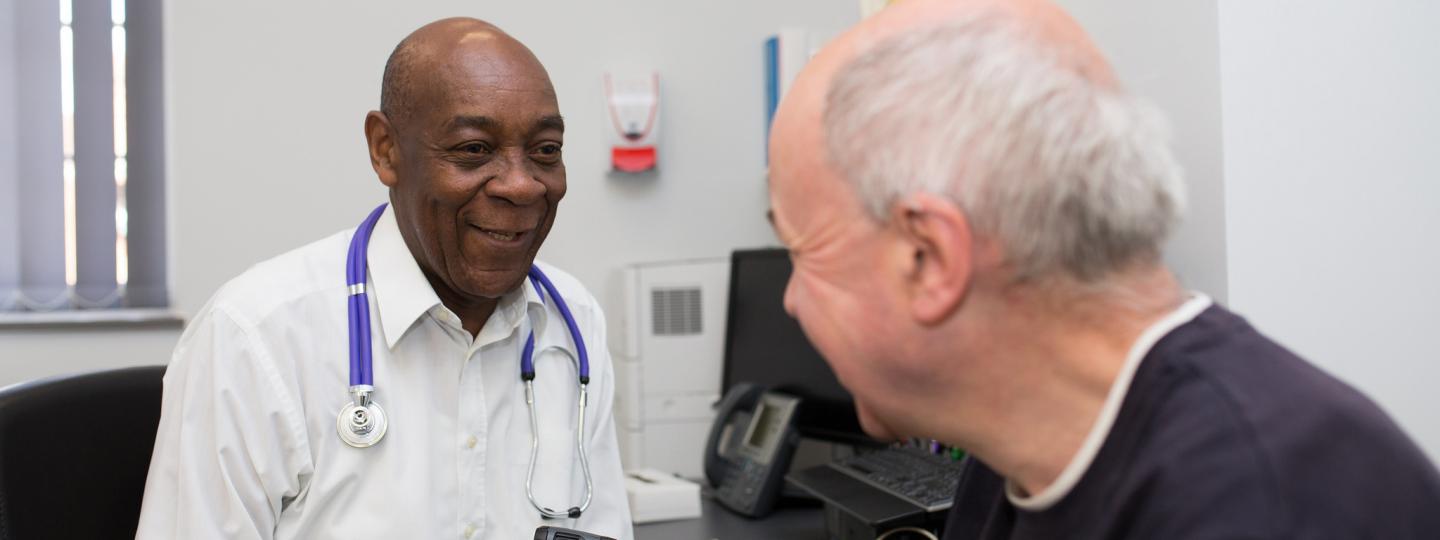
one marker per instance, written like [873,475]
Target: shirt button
[471,441]
[469,530]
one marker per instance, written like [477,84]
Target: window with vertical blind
[82,185]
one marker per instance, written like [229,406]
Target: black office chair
[74,451]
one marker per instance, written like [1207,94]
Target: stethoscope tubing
[527,365]
[547,512]
[362,379]
[361,373]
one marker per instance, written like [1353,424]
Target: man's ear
[939,244]
[384,152]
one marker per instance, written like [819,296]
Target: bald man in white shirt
[468,140]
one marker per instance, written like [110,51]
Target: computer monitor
[764,345]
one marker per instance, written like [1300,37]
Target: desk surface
[717,523]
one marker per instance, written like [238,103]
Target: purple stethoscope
[362,422]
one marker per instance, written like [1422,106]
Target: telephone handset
[749,448]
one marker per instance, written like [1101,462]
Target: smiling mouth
[502,236]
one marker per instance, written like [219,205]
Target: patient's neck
[1047,365]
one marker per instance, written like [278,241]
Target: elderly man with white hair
[976,209]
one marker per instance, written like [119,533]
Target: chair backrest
[74,452]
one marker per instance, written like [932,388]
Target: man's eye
[473,148]
[548,151]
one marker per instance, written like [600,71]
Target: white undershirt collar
[1100,431]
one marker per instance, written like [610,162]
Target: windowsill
[93,319]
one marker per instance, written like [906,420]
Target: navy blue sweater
[1224,434]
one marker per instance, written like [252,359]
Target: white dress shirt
[247,445]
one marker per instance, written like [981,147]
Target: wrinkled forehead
[807,193]
[797,144]
[491,58]
[500,90]
[484,76]
[800,172]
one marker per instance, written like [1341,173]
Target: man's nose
[516,183]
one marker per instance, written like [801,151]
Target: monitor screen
[764,345]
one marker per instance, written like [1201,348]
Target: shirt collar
[512,310]
[403,295]
[1100,430]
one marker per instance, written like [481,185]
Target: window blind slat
[94,155]
[145,191]
[9,169]
[39,155]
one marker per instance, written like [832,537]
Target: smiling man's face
[478,173]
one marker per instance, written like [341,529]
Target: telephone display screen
[765,429]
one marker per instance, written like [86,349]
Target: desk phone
[750,447]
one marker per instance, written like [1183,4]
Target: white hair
[1071,175]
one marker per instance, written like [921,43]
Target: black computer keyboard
[914,474]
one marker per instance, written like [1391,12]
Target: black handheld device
[560,533]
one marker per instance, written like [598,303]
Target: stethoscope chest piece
[361,423]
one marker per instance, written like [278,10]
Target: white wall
[267,100]
[32,354]
[1332,117]
[275,106]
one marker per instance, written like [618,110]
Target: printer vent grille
[675,311]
